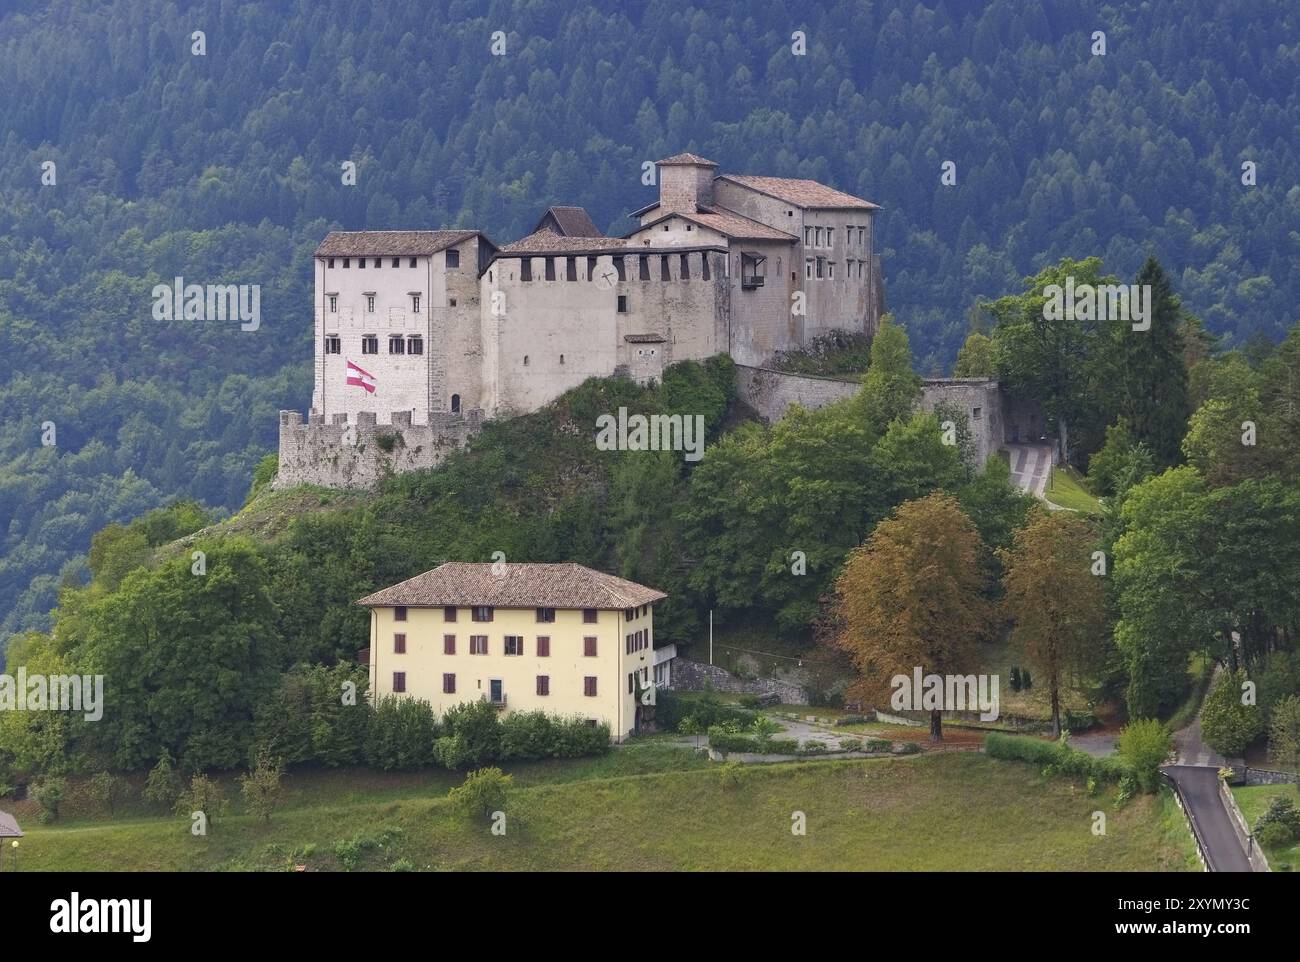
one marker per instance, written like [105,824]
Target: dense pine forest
[225,168]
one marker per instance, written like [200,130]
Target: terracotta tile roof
[549,242]
[726,222]
[682,160]
[521,586]
[801,193]
[382,243]
[573,221]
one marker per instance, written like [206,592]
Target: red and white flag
[360,378]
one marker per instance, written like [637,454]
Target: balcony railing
[498,703]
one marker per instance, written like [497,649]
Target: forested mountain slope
[225,168]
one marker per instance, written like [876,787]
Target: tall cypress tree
[1152,375]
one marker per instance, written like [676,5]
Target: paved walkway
[1031,466]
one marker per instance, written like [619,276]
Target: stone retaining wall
[693,676]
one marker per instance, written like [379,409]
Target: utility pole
[710,637]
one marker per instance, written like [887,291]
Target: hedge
[1059,755]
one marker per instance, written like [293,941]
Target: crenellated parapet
[359,453]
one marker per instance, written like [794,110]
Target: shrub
[1227,724]
[106,790]
[484,791]
[724,741]
[1145,744]
[1059,756]
[478,725]
[49,794]
[813,748]
[402,734]
[750,701]
[163,786]
[731,775]
[707,710]
[850,744]
[403,865]
[906,748]
[879,745]
[1281,811]
[262,786]
[1274,835]
[783,746]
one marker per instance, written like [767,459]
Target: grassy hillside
[888,814]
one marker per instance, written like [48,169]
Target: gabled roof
[525,585]
[572,221]
[800,193]
[9,827]
[685,160]
[548,242]
[383,243]
[725,222]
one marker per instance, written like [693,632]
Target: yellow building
[558,638]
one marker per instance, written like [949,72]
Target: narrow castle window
[370,344]
[453,258]
[334,303]
[831,269]
[807,236]
[561,358]
[346,262]
[396,344]
[550,268]
[333,345]
[397,262]
[645,267]
[451,302]
[526,269]
[808,267]
[330,262]
[686,268]
[821,266]
[704,265]
[412,264]
[664,274]
[622,303]
[591,268]
[525,360]
[361,263]
[455,404]
[830,236]
[370,303]
[620,268]
[415,344]
[415,303]
[570,268]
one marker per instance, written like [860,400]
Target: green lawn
[1253,800]
[1067,489]
[945,812]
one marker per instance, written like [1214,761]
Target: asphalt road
[1200,788]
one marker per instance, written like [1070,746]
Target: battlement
[361,452]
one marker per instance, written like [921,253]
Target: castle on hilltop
[420,335]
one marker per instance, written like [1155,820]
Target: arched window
[525,360]
[455,404]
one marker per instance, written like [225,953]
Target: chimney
[685,183]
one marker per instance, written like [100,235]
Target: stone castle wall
[362,453]
[770,393]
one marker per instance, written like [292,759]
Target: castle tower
[685,183]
